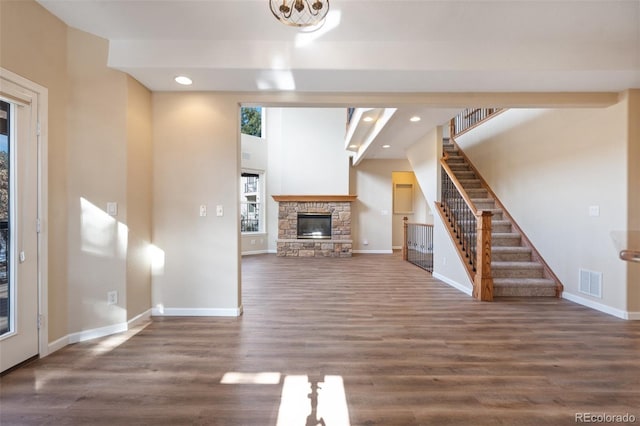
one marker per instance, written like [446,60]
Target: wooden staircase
[516,268]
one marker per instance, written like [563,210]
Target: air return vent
[591,283]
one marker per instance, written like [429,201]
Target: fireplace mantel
[315,198]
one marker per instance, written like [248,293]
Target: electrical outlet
[112,297]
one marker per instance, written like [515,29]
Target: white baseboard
[463,288]
[84,335]
[196,312]
[56,345]
[251,253]
[140,319]
[600,307]
[373,251]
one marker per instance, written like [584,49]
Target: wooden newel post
[405,249]
[483,281]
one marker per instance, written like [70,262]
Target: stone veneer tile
[340,230]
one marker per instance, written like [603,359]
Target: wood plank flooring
[380,339]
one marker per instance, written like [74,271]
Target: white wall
[548,167]
[424,157]
[306,156]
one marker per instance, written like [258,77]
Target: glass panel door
[5,290]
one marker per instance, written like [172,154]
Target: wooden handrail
[630,255]
[457,184]
[480,270]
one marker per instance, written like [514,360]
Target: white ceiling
[370,46]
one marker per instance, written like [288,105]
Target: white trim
[99,332]
[84,335]
[463,288]
[56,345]
[196,312]
[42,114]
[139,319]
[373,251]
[272,251]
[251,253]
[600,307]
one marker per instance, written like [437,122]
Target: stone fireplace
[314,225]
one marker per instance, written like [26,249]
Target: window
[251,184]
[251,121]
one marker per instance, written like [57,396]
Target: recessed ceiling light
[415,118]
[386,146]
[367,119]
[353,146]
[184,80]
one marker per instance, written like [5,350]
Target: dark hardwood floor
[381,342]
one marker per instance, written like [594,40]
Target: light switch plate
[203,210]
[112,209]
[594,211]
[219,210]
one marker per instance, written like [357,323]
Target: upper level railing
[470,117]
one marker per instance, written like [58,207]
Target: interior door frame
[41,104]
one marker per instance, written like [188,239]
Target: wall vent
[591,283]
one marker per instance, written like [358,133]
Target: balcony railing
[470,117]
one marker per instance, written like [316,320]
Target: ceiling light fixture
[300,13]
[386,146]
[415,119]
[184,80]
[353,146]
[368,119]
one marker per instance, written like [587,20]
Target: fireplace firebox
[314,225]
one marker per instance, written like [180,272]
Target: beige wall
[548,167]
[196,160]
[94,113]
[33,44]
[138,202]
[420,208]
[372,214]
[97,134]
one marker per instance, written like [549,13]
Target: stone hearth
[338,206]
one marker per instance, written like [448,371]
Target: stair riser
[481,205]
[503,227]
[523,292]
[511,257]
[505,241]
[471,184]
[465,174]
[477,193]
[516,272]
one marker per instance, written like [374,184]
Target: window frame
[259,203]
